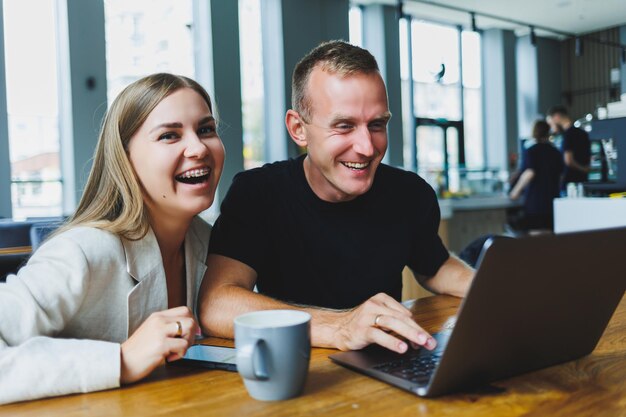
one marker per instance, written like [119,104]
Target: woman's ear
[295,127]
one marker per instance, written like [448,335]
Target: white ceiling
[569,16]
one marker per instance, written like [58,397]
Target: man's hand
[372,322]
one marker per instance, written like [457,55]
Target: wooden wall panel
[586,78]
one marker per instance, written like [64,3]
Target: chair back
[18,239]
[15,246]
[471,253]
[39,232]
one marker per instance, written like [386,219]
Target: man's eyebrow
[340,118]
[385,116]
[343,118]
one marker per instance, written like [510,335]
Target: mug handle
[250,355]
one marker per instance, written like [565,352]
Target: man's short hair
[560,110]
[337,57]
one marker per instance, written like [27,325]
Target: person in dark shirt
[575,146]
[541,175]
[330,232]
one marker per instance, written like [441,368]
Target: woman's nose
[195,147]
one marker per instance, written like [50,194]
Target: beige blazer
[64,315]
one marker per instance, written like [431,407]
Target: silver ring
[376,320]
[179,329]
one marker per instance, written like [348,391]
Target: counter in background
[473,217]
[462,221]
[575,214]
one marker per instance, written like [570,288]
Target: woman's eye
[168,136]
[206,130]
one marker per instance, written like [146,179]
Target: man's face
[345,134]
[555,123]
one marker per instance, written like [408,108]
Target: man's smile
[356,165]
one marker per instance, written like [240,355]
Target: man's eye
[344,126]
[378,126]
[168,136]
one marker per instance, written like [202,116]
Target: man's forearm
[228,301]
[572,163]
[453,278]
[380,319]
[577,166]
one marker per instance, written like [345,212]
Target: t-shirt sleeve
[568,141]
[524,163]
[530,161]
[428,252]
[240,230]
[559,163]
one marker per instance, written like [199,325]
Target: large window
[147,36]
[356,25]
[446,101]
[32,106]
[251,48]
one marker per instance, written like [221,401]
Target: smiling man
[331,231]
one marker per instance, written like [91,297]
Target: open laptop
[534,302]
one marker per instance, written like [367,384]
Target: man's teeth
[356,165]
[194,173]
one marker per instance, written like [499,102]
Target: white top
[82,293]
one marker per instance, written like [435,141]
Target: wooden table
[592,386]
[17,250]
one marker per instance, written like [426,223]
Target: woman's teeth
[194,176]
[194,173]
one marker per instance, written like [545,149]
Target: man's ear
[295,127]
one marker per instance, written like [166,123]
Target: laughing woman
[111,296]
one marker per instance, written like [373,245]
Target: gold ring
[179,329]
[376,320]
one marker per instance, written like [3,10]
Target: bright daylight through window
[32,106]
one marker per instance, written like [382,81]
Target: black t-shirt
[547,163]
[577,141]
[336,255]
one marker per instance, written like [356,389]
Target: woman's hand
[157,338]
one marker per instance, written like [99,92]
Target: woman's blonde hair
[113,198]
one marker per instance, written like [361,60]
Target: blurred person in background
[539,181]
[575,146]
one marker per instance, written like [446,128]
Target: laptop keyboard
[416,368]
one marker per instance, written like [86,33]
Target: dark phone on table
[211,357]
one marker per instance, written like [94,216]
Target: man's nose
[363,142]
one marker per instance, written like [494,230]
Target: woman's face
[178,156]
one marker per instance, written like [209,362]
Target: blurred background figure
[539,181]
[575,146]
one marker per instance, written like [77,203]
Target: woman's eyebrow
[175,125]
[178,125]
